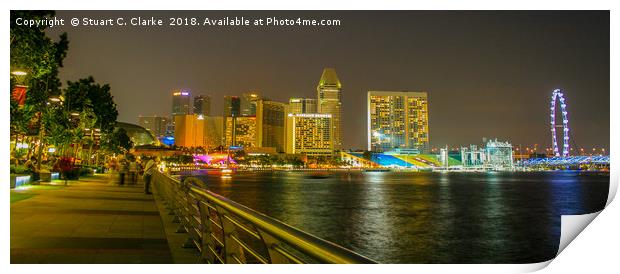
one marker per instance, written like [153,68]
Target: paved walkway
[90,221]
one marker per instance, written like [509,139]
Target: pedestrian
[122,171]
[133,171]
[149,168]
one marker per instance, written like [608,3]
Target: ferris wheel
[559,96]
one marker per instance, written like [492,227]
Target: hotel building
[309,134]
[397,120]
[302,105]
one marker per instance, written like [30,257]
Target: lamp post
[52,101]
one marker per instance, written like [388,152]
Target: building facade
[398,119]
[202,105]
[181,102]
[155,124]
[270,119]
[189,130]
[302,105]
[247,103]
[232,106]
[309,134]
[329,102]
[240,132]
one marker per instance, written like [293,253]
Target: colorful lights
[566,148]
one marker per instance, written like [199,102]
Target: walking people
[149,168]
[122,171]
[133,171]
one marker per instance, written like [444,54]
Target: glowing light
[19,73]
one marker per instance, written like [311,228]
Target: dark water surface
[424,217]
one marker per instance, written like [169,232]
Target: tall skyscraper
[309,134]
[270,124]
[232,106]
[180,102]
[202,105]
[248,103]
[329,102]
[302,105]
[155,124]
[397,120]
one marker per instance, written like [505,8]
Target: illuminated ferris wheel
[559,96]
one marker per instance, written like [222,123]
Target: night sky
[488,74]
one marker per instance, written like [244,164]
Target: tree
[37,55]
[116,142]
[86,93]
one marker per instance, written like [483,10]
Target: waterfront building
[329,102]
[247,103]
[180,102]
[240,132]
[309,134]
[302,105]
[495,155]
[202,105]
[270,124]
[189,130]
[499,154]
[155,124]
[397,120]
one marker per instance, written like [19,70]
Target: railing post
[270,242]
[233,251]
[205,229]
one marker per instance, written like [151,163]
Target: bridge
[96,221]
[570,161]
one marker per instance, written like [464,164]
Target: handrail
[228,232]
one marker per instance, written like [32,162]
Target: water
[424,217]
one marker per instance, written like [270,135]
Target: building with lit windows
[155,124]
[189,130]
[247,103]
[244,133]
[329,102]
[309,134]
[232,106]
[181,102]
[270,124]
[397,120]
[202,105]
[302,105]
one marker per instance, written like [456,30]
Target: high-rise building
[232,106]
[189,130]
[155,124]
[213,131]
[240,131]
[302,105]
[180,102]
[329,102]
[270,124]
[397,120]
[202,105]
[309,134]
[248,103]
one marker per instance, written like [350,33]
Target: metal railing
[227,232]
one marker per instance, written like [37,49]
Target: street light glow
[19,73]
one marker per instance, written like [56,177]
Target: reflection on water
[424,217]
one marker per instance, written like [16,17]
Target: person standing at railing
[149,168]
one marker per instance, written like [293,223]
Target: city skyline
[487,74]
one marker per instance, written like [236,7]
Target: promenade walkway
[90,221]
